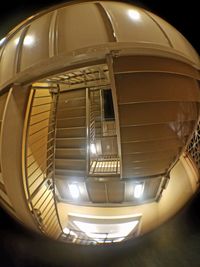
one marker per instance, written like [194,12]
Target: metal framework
[42,200]
[194,146]
[79,237]
[93,76]
[39,174]
[107,165]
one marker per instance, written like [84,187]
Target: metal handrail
[95,98]
[38,175]
[54,153]
[80,237]
[87,131]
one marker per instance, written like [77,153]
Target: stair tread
[68,138]
[66,177]
[70,148]
[75,127]
[70,159]
[69,118]
[71,98]
[69,172]
[71,108]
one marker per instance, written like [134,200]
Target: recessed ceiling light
[2,41]
[74,190]
[134,14]
[93,149]
[66,230]
[138,190]
[16,41]
[103,231]
[29,40]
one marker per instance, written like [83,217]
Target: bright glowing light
[66,230]
[119,239]
[71,233]
[93,149]
[29,40]
[74,190]
[100,232]
[16,41]
[134,14]
[138,190]
[2,41]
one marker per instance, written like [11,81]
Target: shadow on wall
[176,243]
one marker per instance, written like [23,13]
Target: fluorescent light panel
[100,232]
[74,190]
[66,230]
[138,190]
[93,149]
[134,14]
[29,40]
[2,41]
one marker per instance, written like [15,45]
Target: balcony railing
[39,154]
[194,147]
[105,165]
[103,156]
[81,238]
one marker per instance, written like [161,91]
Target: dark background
[176,243]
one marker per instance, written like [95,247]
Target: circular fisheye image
[99,110]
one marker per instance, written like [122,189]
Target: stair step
[71,164]
[66,174]
[71,122]
[96,111]
[96,108]
[67,178]
[98,123]
[70,153]
[71,143]
[71,132]
[71,94]
[71,112]
[73,102]
[97,131]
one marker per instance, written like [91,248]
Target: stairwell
[71,143]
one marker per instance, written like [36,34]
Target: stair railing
[4,198]
[193,149]
[88,131]
[39,159]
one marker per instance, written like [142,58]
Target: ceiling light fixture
[66,230]
[2,41]
[138,190]
[93,149]
[29,40]
[16,41]
[110,232]
[74,190]
[134,15]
